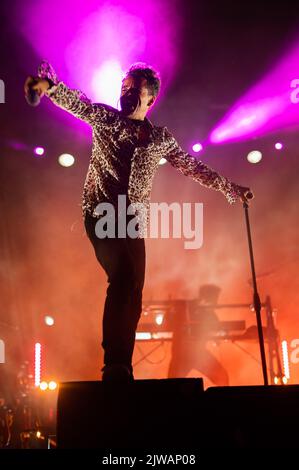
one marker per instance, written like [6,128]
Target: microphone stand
[256,298]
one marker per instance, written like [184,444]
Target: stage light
[114,33]
[284,380]
[162,335]
[52,385]
[285,359]
[143,335]
[278,145]
[267,106]
[43,385]
[197,147]
[254,156]
[159,318]
[276,380]
[2,352]
[39,151]
[49,321]
[106,82]
[66,159]
[38,434]
[37,363]
[162,161]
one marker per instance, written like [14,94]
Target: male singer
[126,151]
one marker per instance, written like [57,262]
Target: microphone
[32,97]
[249,195]
[130,101]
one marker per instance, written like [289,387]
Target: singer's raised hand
[246,195]
[34,83]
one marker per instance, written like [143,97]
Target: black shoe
[117,373]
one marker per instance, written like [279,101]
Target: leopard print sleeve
[73,101]
[197,170]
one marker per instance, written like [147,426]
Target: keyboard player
[189,351]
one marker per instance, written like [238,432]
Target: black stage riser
[139,414]
[176,413]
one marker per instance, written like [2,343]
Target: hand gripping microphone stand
[32,97]
[256,297]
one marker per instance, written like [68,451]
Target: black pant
[123,260]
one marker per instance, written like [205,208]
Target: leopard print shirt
[114,136]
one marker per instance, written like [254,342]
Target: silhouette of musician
[189,347]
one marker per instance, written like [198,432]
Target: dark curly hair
[141,70]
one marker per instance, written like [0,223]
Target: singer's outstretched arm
[73,101]
[198,171]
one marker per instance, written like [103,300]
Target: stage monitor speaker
[142,414]
[252,417]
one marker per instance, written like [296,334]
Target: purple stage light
[106,82]
[278,145]
[16,144]
[39,151]
[197,147]
[95,41]
[270,105]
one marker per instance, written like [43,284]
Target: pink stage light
[278,146]
[106,83]
[285,358]
[197,147]
[268,106]
[95,41]
[39,151]
[37,363]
